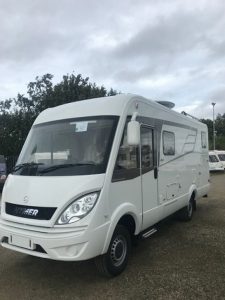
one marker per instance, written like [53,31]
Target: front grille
[30,212]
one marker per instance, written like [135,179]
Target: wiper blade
[56,167]
[30,164]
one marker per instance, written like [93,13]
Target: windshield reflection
[68,147]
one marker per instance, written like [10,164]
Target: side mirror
[133,133]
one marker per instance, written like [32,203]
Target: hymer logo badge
[20,211]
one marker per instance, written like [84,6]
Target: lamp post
[214,142]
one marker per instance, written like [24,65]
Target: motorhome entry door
[149,176]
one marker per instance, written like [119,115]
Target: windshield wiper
[61,166]
[30,164]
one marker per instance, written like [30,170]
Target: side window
[168,143]
[127,162]
[147,159]
[203,139]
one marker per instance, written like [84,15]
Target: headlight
[78,209]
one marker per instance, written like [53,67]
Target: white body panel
[147,197]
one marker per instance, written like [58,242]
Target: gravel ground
[181,261]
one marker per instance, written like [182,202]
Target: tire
[115,260]
[186,213]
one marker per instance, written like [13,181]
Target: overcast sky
[166,49]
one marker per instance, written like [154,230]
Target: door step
[148,233]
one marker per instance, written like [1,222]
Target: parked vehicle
[95,175]
[221,156]
[2,172]
[214,163]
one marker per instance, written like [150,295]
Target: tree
[220,131]
[18,114]
[209,124]
[43,94]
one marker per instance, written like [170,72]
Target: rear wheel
[115,260]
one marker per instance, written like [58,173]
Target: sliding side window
[168,143]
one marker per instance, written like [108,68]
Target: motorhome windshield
[68,147]
[213,158]
[221,157]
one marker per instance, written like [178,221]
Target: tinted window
[127,162]
[221,157]
[213,158]
[147,160]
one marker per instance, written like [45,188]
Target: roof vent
[167,104]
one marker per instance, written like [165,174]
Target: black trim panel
[125,174]
[29,212]
[113,117]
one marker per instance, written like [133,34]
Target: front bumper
[216,169]
[67,244]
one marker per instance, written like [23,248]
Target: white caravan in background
[95,174]
[214,163]
[221,155]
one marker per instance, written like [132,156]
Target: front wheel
[186,213]
[115,260]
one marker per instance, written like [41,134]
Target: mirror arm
[134,116]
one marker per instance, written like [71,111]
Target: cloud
[166,49]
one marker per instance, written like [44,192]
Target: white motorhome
[221,155]
[214,163]
[95,174]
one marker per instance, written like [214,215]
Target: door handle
[155,172]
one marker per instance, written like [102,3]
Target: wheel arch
[193,191]
[127,216]
[193,195]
